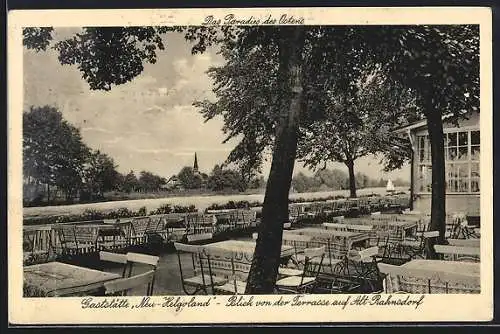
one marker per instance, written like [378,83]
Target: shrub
[233,205]
[142,211]
[120,213]
[92,214]
[163,209]
[184,209]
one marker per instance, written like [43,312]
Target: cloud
[92,129]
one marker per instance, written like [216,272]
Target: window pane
[452,186]
[474,137]
[463,171]
[463,186]
[463,153]
[428,148]
[424,178]
[452,153]
[463,138]
[452,139]
[474,169]
[449,170]
[474,152]
[474,183]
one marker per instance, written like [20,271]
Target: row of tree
[221,178]
[337,179]
[282,87]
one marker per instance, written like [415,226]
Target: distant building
[173,183]
[195,165]
[461,149]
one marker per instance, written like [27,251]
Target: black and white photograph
[249,155]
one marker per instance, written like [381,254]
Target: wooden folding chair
[299,243]
[67,240]
[37,244]
[413,249]
[201,223]
[307,281]
[196,279]
[114,258]
[140,227]
[122,286]
[364,269]
[136,259]
[238,266]
[86,238]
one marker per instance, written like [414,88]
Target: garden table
[242,251]
[56,279]
[245,247]
[441,268]
[347,238]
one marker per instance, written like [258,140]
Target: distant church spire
[195,166]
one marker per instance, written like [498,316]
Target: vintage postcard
[197,166]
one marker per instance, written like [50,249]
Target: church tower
[195,165]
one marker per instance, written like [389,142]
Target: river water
[200,202]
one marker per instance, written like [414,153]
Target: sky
[148,123]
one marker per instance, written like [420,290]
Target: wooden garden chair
[200,223]
[364,269]
[299,243]
[413,249]
[307,281]
[122,286]
[86,238]
[67,240]
[239,267]
[197,279]
[136,260]
[37,244]
[116,258]
[140,227]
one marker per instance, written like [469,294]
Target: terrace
[365,245]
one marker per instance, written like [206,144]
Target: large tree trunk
[438,200]
[264,268]
[352,179]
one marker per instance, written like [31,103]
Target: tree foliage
[150,182]
[358,122]
[130,182]
[53,151]
[189,179]
[223,178]
[100,173]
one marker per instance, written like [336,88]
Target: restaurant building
[462,151]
